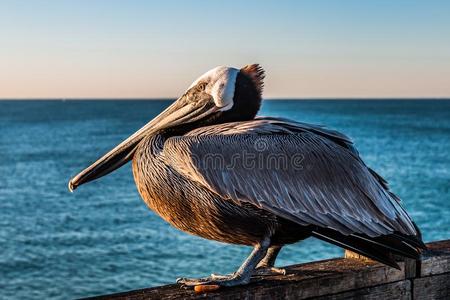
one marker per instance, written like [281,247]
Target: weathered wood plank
[436,260]
[410,264]
[353,255]
[331,279]
[398,290]
[432,287]
[302,281]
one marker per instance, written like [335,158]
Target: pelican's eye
[202,86]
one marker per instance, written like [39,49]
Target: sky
[155,49]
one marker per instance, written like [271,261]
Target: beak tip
[71,186]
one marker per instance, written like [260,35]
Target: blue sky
[115,49]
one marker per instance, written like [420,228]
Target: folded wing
[301,172]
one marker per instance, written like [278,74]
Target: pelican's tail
[381,248]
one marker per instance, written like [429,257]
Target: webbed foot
[240,277]
[219,280]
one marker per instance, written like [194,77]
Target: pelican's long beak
[180,112]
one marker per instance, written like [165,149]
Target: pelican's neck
[148,157]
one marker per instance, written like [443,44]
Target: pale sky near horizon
[152,49]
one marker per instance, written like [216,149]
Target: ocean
[103,239]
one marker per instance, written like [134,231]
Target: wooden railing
[340,278]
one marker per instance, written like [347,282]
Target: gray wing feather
[319,178]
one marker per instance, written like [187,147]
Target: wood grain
[340,278]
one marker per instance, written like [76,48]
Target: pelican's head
[223,94]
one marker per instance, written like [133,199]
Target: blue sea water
[103,239]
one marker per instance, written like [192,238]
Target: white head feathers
[220,84]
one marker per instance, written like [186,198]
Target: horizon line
[174,98]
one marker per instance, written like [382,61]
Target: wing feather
[331,187]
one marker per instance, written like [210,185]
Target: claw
[192,281]
[179,280]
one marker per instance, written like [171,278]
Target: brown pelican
[209,167]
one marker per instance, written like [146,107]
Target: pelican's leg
[267,265]
[269,259]
[241,276]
